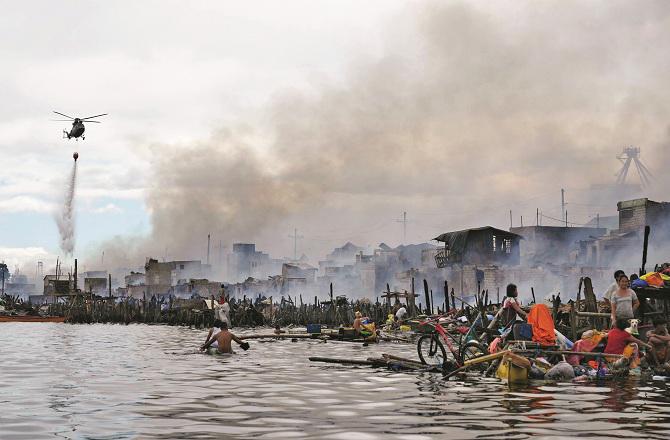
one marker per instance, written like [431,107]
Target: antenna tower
[632,155]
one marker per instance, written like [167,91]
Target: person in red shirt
[618,338]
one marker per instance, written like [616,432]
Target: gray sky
[247,120]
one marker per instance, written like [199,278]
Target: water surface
[140,381]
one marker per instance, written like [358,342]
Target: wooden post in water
[446,296]
[427,295]
[645,245]
[432,303]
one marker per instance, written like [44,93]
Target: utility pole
[404,227]
[522,221]
[295,238]
[598,220]
[3,269]
[537,216]
[563,213]
[208,240]
[510,219]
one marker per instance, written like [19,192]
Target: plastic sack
[561,371]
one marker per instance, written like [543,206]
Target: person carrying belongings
[619,341]
[624,301]
[660,341]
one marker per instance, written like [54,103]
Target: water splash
[65,218]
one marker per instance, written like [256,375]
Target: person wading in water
[224,338]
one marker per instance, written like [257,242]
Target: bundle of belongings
[368,329]
[654,279]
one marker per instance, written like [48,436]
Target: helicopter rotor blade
[61,120]
[90,117]
[92,122]
[62,114]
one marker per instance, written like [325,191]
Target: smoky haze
[467,113]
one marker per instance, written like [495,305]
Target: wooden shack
[479,246]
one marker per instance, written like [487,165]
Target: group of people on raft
[619,340]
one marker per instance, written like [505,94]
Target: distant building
[97,286]
[345,254]
[297,277]
[57,285]
[635,214]
[245,261]
[197,287]
[486,245]
[623,246]
[18,285]
[160,277]
[552,244]
[134,279]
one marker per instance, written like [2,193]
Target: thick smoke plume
[65,218]
[467,113]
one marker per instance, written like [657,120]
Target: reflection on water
[138,381]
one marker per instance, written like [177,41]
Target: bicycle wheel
[472,350]
[431,351]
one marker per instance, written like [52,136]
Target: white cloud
[25,258]
[26,204]
[109,208]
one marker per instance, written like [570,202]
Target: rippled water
[138,381]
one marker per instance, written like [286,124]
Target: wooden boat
[31,318]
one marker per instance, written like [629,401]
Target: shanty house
[486,245]
[297,276]
[552,244]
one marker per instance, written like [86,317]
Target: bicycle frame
[435,323]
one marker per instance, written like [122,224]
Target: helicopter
[77,129]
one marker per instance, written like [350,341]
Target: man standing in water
[223,339]
[222,310]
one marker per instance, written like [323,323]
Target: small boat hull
[30,318]
[512,373]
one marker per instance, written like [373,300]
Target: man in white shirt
[400,313]
[222,310]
